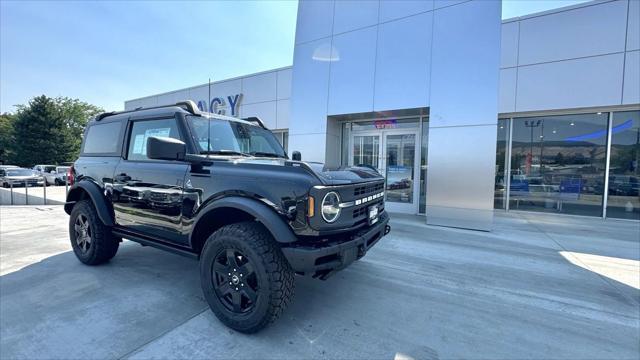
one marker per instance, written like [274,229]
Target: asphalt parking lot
[535,287]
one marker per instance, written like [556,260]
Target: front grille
[362,211]
[368,189]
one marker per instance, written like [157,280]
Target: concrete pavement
[538,286]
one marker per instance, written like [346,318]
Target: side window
[102,138]
[142,130]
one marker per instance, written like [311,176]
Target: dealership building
[464,113]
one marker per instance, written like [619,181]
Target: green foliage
[49,131]
[6,137]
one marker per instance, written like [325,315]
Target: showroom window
[624,176]
[501,164]
[558,164]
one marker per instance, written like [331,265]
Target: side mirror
[165,148]
[296,156]
[52,172]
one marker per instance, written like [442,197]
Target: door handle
[122,177]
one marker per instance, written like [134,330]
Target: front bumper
[324,260]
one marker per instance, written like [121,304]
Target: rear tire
[245,278]
[91,240]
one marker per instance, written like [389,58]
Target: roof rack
[256,120]
[187,105]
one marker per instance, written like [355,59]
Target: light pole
[531,124]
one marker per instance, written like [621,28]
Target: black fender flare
[96,196]
[266,215]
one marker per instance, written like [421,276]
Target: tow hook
[387,229]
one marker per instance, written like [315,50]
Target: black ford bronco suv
[221,190]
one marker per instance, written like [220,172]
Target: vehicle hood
[341,175]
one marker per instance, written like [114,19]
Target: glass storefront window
[624,173]
[558,164]
[501,164]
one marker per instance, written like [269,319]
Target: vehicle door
[147,194]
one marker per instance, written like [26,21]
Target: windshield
[233,138]
[62,169]
[19,172]
[49,168]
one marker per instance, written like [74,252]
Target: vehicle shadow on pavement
[60,308]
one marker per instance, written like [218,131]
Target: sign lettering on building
[221,105]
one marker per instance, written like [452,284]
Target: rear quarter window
[103,139]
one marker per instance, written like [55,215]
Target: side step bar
[145,241]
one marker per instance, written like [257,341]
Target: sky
[106,52]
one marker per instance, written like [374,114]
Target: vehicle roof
[160,111]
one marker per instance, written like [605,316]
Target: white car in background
[57,176]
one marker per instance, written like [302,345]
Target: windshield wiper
[224,152]
[265,154]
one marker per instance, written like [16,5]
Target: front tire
[245,278]
[91,240]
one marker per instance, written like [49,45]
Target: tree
[76,114]
[6,138]
[49,131]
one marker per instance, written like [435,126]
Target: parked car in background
[57,176]
[19,177]
[8,167]
[43,169]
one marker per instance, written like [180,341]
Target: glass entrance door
[399,168]
[393,154]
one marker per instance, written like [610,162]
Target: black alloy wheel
[234,280]
[91,240]
[83,233]
[245,277]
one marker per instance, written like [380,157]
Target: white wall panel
[258,88]
[591,30]
[282,120]
[352,72]
[633,27]
[284,84]
[507,95]
[309,87]
[173,97]
[354,14]
[594,81]
[266,111]
[315,20]
[631,92]
[509,44]
[198,93]
[403,63]
[225,88]
[394,9]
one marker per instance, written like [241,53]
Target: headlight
[330,207]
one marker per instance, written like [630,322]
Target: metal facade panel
[587,82]
[403,63]
[586,31]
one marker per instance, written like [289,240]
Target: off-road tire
[103,246]
[275,278]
